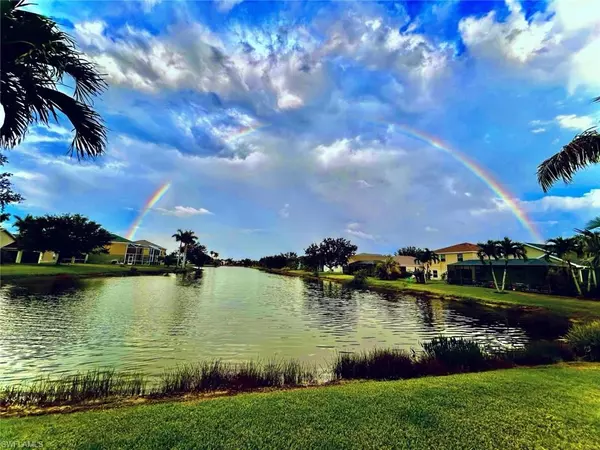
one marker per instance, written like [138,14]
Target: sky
[279,124]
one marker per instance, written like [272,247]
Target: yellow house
[452,254]
[124,251]
[467,251]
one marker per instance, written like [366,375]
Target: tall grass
[585,340]
[440,356]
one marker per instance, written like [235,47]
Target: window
[435,274]
[442,258]
[459,257]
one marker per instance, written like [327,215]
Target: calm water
[151,323]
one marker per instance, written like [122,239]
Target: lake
[150,323]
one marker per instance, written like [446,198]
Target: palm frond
[582,151]
[593,224]
[90,133]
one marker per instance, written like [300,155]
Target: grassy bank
[16,271]
[546,407]
[565,306]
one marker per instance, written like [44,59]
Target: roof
[406,261]
[459,248]
[511,262]
[8,232]
[148,244]
[364,257]
[117,238]
[372,258]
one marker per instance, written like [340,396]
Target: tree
[35,58]
[489,250]
[590,246]
[426,257]
[387,269]
[197,254]
[170,259]
[506,249]
[335,252]
[186,239]
[312,258]
[7,195]
[582,151]
[563,248]
[408,251]
[67,235]
[274,261]
[593,224]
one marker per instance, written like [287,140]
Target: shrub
[387,270]
[376,364]
[360,278]
[456,355]
[538,353]
[584,339]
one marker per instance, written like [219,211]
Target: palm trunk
[594,277]
[504,274]
[575,280]
[589,280]
[184,256]
[494,275]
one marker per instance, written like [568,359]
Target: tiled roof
[117,238]
[148,244]
[459,248]
[373,257]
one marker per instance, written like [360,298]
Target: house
[468,252]
[11,252]
[531,274]
[125,251]
[151,253]
[368,261]
[450,255]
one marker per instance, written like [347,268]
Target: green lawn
[34,270]
[547,407]
[566,306]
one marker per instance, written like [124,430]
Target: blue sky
[322,85]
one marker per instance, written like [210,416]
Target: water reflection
[150,323]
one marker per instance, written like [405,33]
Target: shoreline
[67,271]
[577,310]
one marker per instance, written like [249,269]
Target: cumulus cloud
[183,211]
[556,44]
[284,212]
[538,130]
[574,122]
[589,200]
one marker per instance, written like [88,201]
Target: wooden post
[19,257]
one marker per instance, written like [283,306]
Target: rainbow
[153,200]
[479,172]
[242,132]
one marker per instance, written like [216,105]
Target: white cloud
[364,184]
[431,229]
[353,225]
[538,130]
[573,122]
[558,44]
[589,200]
[360,234]
[226,5]
[285,211]
[183,211]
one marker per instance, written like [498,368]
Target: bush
[584,339]
[538,353]
[376,364]
[360,278]
[456,355]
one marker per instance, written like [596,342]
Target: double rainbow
[153,200]
[480,173]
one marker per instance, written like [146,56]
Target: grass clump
[455,355]
[376,364]
[88,386]
[585,340]
[538,353]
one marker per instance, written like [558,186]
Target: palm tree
[387,269]
[489,250]
[186,239]
[582,151]
[426,257]
[590,245]
[36,56]
[507,248]
[593,224]
[563,248]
